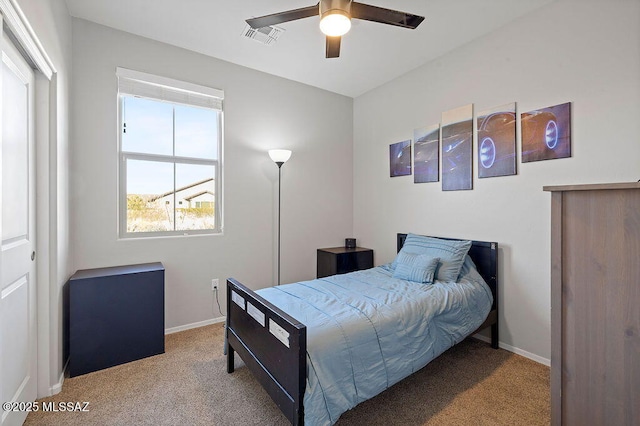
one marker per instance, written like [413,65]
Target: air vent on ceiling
[265,35]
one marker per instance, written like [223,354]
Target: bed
[321,347]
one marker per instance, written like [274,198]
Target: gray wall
[587,53]
[261,112]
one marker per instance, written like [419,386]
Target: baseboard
[194,325]
[57,387]
[517,351]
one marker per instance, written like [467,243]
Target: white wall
[587,53]
[51,24]
[261,112]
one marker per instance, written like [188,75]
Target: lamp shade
[279,155]
[335,23]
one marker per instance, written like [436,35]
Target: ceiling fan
[335,19]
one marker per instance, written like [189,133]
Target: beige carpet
[470,384]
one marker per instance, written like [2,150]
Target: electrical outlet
[214,284]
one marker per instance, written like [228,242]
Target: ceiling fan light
[335,23]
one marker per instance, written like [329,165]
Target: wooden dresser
[595,304]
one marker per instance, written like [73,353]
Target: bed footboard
[272,344]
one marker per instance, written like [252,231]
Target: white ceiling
[371,53]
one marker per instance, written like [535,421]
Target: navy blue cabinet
[114,315]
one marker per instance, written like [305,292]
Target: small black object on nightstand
[350,243]
[340,260]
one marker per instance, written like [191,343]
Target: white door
[18,355]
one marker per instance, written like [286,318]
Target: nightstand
[340,260]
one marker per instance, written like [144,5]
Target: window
[170,147]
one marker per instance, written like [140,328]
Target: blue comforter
[367,331]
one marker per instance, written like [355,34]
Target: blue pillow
[420,268]
[450,252]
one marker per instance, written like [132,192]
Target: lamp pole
[279,156]
[279,164]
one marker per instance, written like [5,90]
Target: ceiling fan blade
[333,47]
[385,16]
[279,18]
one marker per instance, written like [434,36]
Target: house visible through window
[170,155]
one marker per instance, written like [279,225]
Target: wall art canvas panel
[497,141]
[457,137]
[546,133]
[426,154]
[400,158]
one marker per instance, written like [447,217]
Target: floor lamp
[279,156]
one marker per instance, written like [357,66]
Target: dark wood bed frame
[258,331]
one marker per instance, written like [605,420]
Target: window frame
[184,92]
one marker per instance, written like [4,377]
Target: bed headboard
[484,255]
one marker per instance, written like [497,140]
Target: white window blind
[151,86]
